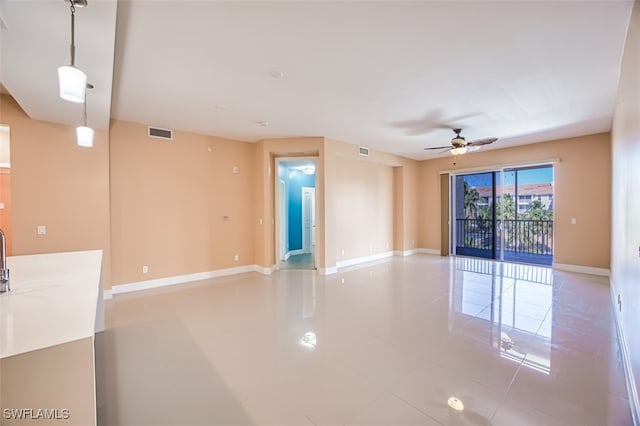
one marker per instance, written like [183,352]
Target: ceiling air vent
[156,132]
[363,151]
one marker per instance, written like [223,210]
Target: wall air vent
[156,132]
[363,151]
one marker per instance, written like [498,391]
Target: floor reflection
[385,343]
[515,307]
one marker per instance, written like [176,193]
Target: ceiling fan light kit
[459,150]
[459,144]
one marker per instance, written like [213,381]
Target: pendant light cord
[73,33]
[89,86]
[84,116]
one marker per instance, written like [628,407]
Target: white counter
[54,299]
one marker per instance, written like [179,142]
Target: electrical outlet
[41,230]
[236,257]
[619,303]
[342,252]
[145,269]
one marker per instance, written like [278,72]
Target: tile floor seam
[506,392]
[416,408]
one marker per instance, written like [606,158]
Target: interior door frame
[282,220]
[277,196]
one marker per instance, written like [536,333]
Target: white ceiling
[379,74]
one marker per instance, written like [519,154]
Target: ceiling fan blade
[485,141]
[438,147]
[435,119]
[445,150]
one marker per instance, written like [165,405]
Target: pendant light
[85,133]
[73,82]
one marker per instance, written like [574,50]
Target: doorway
[296,213]
[504,214]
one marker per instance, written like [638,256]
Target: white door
[282,229]
[308,218]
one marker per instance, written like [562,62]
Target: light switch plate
[41,230]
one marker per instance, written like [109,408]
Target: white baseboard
[632,390]
[180,279]
[581,269]
[435,252]
[328,271]
[297,251]
[287,255]
[405,253]
[363,259]
[264,270]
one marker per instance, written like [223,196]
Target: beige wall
[56,183]
[625,242]
[333,159]
[364,208]
[404,230]
[161,203]
[169,199]
[582,191]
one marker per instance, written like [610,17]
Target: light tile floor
[383,344]
[299,261]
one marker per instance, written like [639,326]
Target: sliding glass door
[475,215]
[504,215]
[528,215]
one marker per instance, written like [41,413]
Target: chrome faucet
[4,271]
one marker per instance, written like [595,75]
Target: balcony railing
[527,240]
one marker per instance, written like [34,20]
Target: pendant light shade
[73,83]
[85,136]
[84,132]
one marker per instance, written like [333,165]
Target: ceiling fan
[460,146]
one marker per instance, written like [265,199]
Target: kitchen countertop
[55,298]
